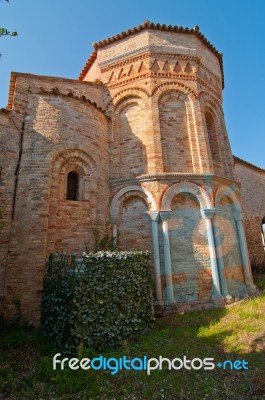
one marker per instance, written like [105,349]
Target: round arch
[129,191]
[136,92]
[161,89]
[228,191]
[186,187]
[61,153]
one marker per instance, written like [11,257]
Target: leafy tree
[6,32]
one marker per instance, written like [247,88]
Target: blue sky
[55,39]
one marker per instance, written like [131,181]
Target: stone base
[163,309]
[175,308]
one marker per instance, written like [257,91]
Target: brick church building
[139,141]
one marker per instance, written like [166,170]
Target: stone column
[154,215]
[244,251]
[113,221]
[207,215]
[220,260]
[164,215]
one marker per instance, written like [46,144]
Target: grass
[236,332]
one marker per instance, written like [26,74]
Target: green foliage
[103,239]
[57,298]
[16,338]
[5,32]
[96,302]
[27,372]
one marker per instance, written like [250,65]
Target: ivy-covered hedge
[98,301]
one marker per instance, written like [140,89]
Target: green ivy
[98,301]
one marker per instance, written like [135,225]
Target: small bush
[16,338]
[96,302]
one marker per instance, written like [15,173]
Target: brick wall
[252,181]
[156,88]
[227,238]
[10,133]
[129,154]
[134,226]
[60,133]
[189,251]
[176,149]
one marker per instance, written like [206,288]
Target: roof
[150,25]
[248,164]
[14,76]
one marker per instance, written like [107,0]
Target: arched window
[263,232]
[72,186]
[212,134]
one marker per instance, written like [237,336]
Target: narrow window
[72,186]
[212,134]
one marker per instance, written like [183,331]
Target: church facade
[139,142]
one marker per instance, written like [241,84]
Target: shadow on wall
[176,148]
[128,156]
[134,225]
[191,260]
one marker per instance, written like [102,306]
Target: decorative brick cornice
[56,92]
[151,54]
[181,86]
[126,81]
[177,177]
[15,75]
[151,75]
[128,61]
[168,28]
[209,88]
[159,176]
[147,25]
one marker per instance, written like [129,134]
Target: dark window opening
[72,186]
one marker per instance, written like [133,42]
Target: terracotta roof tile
[88,64]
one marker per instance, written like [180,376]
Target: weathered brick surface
[10,127]
[176,150]
[153,120]
[188,244]
[59,134]
[204,277]
[252,194]
[134,226]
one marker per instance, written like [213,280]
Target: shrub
[96,302]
